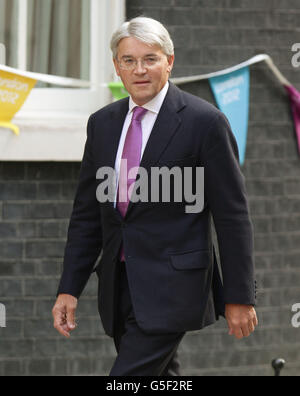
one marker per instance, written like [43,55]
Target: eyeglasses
[132,63]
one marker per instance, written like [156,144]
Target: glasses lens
[131,63]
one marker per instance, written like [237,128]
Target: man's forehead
[130,46]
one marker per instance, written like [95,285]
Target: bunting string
[230,88]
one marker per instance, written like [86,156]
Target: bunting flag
[230,88]
[294,96]
[231,92]
[14,90]
[118,90]
[15,86]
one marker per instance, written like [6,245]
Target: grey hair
[147,30]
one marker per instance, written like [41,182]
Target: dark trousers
[140,354]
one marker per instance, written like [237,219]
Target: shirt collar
[154,104]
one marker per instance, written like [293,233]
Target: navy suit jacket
[174,280]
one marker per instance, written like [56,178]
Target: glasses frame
[136,62]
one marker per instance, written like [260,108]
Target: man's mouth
[142,82]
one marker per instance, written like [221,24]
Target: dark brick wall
[36,201]
[35,205]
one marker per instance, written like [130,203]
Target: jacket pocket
[193,260]
[187,161]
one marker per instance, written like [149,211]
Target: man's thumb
[71,318]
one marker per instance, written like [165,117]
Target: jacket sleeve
[84,239]
[225,192]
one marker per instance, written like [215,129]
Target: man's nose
[140,68]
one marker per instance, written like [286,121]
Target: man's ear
[171,59]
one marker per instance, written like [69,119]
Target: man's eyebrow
[130,56]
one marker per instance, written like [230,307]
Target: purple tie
[132,154]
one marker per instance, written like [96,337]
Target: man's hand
[64,314]
[241,320]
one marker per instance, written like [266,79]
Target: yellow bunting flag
[14,90]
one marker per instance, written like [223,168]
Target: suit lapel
[116,122]
[167,122]
[111,141]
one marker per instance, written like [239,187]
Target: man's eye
[128,61]
[150,59]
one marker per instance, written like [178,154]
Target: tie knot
[138,113]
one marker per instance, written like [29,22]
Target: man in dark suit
[158,274]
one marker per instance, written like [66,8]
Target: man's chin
[142,97]
[142,89]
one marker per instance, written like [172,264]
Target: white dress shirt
[148,121]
